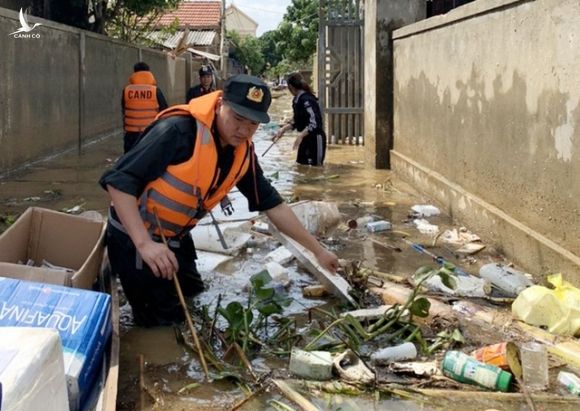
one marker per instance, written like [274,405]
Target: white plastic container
[406,351]
[511,281]
[570,381]
[377,226]
[316,365]
[535,366]
[424,210]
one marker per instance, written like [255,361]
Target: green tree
[247,51]
[297,34]
[270,49]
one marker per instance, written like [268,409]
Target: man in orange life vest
[184,165]
[142,101]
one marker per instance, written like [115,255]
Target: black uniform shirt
[171,141]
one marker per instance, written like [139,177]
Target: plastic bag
[557,309]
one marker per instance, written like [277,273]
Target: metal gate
[341,69]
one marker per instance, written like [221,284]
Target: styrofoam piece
[465,286]
[333,282]
[32,370]
[82,318]
[236,235]
[208,262]
[425,227]
[261,227]
[314,365]
[278,273]
[320,218]
[280,255]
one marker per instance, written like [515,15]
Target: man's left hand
[328,260]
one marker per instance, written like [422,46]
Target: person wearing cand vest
[184,165]
[141,102]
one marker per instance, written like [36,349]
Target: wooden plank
[334,283]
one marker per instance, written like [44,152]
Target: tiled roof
[194,38]
[194,14]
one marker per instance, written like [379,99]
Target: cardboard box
[81,317]
[61,239]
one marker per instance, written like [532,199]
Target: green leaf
[457,336]
[259,282]
[269,308]
[422,273]
[420,307]
[447,278]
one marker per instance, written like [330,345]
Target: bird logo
[24,26]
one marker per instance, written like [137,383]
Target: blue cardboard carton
[82,318]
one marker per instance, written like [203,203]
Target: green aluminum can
[463,368]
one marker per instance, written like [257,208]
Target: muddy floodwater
[69,181]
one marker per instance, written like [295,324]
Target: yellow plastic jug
[557,309]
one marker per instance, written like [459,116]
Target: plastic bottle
[424,210]
[511,281]
[535,366]
[406,351]
[377,226]
[463,368]
[570,381]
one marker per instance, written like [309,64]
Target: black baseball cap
[205,71]
[249,97]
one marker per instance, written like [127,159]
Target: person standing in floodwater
[307,119]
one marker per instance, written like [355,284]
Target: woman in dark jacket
[311,142]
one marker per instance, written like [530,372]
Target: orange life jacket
[187,191]
[141,105]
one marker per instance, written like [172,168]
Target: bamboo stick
[141,361]
[294,396]
[183,305]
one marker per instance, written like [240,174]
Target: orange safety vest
[187,191]
[141,105]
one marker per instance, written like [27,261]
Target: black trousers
[153,300]
[312,149]
[129,140]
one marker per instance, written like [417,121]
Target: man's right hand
[159,258]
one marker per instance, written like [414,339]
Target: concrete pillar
[381,18]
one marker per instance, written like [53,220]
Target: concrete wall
[63,87]
[487,121]
[381,18]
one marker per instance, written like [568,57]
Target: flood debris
[352,369]
[424,210]
[333,283]
[314,291]
[280,255]
[387,355]
[557,308]
[510,281]
[312,365]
